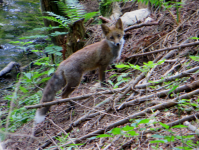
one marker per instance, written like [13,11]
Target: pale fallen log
[191,127]
[9,68]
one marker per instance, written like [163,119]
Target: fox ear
[119,24]
[105,29]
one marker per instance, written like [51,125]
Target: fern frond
[57,18]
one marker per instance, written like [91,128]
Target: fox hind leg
[72,83]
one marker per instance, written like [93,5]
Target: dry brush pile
[154,94]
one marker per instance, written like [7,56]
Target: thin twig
[165,49]
[63,132]
[97,110]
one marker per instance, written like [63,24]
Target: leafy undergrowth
[148,100]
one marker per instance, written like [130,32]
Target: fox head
[114,34]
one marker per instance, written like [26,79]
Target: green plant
[73,11]
[28,93]
[62,140]
[177,5]
[126,131]
[155,139]
[124,77]
[145,68]
[186,140]
[154,2]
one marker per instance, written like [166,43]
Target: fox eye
[118,35]
[112,38]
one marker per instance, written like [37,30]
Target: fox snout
[118,44]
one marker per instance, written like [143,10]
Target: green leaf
[195,58]
[78,144]
[24,90]
[52,70]
[113,76]
[144,121]
[127,128]
[174,87]
[161,62]
[45,79]
[157,136]
[35,51]
[115,131]
[110,82]
[104,135]
[56,33]
[194,38]
[159,141]
[90,15]
[34,36]
[132,133]
[118,83]
[184,148]
[122,66]
[28,75]
[170,138]
[179,126]
[164,125]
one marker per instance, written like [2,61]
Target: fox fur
[70,71]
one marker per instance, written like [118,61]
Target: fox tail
[53,85]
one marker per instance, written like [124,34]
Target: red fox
[70,71]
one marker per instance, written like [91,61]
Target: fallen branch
[166,56]
[123,121]
[136,115]
[171,124]
[174,30]
[165,49]
[73,98]
[141,25]
[106,20]
[171,78]
[73,124]
[186,87]
[132,84]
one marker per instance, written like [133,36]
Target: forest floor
[98,110]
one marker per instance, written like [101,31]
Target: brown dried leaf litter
[99,113]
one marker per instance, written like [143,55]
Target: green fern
[57,18]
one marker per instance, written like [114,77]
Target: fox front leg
[102,79]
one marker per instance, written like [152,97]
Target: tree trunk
[74,40]
[51,6]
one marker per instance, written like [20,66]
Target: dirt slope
[136,99]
